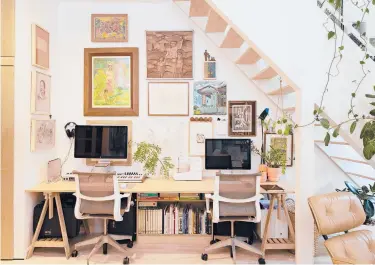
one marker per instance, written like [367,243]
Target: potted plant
[275,160]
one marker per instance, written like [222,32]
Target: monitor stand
[235,172]
[102,165]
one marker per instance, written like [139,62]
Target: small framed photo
[283,142]
[210,70]
[242,118]
[40,47]
[199,131]
[42,134]
[109,28]
[40,93]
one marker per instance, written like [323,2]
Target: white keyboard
[130,177]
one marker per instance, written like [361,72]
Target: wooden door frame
[7,33]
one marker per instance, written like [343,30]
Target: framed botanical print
[283,142]
[40,47]
[111,82]
[40,93]
[242,118]
[42,134]
[199,131]
[109,28]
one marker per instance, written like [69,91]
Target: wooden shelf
[284,91]
[279,243]
[266,73]
[215,23]
[349,159]
[199,8]
[248,57]
[49,242]
[232,40]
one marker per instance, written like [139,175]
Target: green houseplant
[275,160]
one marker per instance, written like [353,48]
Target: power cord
[68,154]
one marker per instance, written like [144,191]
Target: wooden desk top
[150,185]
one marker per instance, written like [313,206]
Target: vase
[274,174]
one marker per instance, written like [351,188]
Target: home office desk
[52,192]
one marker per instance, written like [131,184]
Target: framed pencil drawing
[42,134]
[242,118]
[283,142]
[109,28]
[111,82]
[40,93]
[40,47]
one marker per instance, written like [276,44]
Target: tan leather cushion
[337,212]
[101,208]
[356,247]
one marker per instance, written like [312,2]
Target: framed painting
[111,82]
[168,99]
[283,142]
[109,28]
[199,131]
[210,98]
[40,93]
[40,47]
[242,118]
[169,54]
[42,134]
[210,70]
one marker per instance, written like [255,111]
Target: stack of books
[190,196]
[148,196]
[169,196]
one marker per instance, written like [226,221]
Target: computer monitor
[228,154]
[103,142]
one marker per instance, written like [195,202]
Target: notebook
[54,170]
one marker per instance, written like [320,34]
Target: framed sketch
[42,135]
[40,47]
[284,142]
[168,99]
[210,70]
[111,82]
[40,93]
[242,118]
[109,28]
[199,131]
[169,54]
[210,98]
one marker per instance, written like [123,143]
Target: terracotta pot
[262,168]
[274,174]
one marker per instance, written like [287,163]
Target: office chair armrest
[129,203]
[254,198]
[208,197]
[125,195]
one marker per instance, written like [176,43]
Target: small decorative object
[242,118]
[206,56]
[42,135]
[111,82]
[149,155]
[169,54]
[263,170]
[210,70]
[282,142]
[40,47]
[168,99]
[109,28]
[201,119]
[40,93]
[199,131]
[275,161]
[210,98]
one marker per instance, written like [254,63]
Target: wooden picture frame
[115,162]
[120,36]
[40,47]
[168,99]
[198,132]
[40,93]
[112,99]
[209,72]
[289,141]
[43,134]
[242,118]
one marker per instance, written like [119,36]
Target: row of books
[173,219]
[170,196]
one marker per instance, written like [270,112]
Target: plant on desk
[149,155]
[275,160]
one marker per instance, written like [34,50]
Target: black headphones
[70,129]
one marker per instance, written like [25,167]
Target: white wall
[30,168]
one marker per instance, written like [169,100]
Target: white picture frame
[198,132]
[168,99]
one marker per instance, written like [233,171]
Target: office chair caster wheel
[214,241]
[126,261]
[261,261]
[105,249]
[204,257]
[74,253]
[231,252]
[130,244]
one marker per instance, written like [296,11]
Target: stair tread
[215,23]
[232,40]
[266,73]
[284,90]
[360,175]
[199,8]
[248,57]
[349,159]
[332,142]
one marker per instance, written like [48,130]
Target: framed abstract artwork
[168,99]
[40,93]
[199,131]
[109,28]
[169,54]
[42,134]
[242,118]
[111,82]
[283,142]
[40,47]
[210,98]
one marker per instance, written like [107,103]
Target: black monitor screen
[228,154]
[109,142]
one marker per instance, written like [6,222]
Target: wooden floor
[160,250]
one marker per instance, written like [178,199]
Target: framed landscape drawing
[42,135]
[111,82]
[210,98]
[242,118]
[40,47]
[168,99]
[40,93]
[109,28]
[199,131]
[283,142]
[169,54]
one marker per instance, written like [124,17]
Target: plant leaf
[367,56]
[369,96]
[327,139]
[352,127]
[369,150]
[372,112]
[336,132]
[341,48]
[372,103]
[324,123]
[367,10]
[331,34]
[353,95]
[362,62]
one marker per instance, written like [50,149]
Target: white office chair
[98,197]
[235,198]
